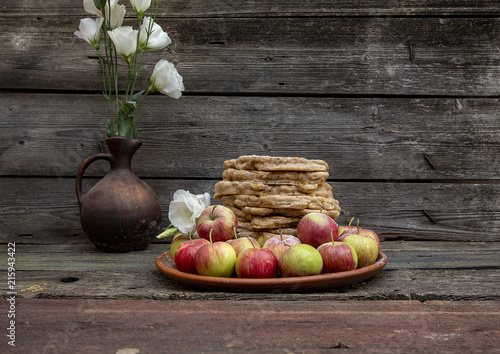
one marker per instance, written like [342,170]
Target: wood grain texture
[360,138]
[276,55]
[44,210]
[261,8]
[149,326]
[421,271]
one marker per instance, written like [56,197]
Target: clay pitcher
[120,213]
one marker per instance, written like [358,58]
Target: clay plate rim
[292,284]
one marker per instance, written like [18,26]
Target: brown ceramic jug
[120,213]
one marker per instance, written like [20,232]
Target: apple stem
[350,222]
[331,235]
[210,235]
[281,235]
[235,234]
[190,238]
[357,227]
[213,212]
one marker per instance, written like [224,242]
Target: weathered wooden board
[415,271]
[262,8]
[131,326]
[286,55]
[396,284]
[360,138]
[44,210]
[436,255]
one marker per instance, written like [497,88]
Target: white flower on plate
[185,208]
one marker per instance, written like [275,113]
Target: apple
[280,243]
[220,220]
[315,229]
[185,254]
[365,246]
[178,239]
[256,263]
[216,259]
[344,230]
[242,243]
[300,260]
[338,257]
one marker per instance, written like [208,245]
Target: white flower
[185,208]
[140,6]
[166,79]
[125,40]
[89,6]
[158,39]
[114,15]
[90,30]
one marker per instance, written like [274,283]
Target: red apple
[216,259]
[343,228]
[280,243]
[185,254]
[256,263]
[178,239]
[218,218]
[338,257]
[300,260]
[315,229]
[366,248]
[242,243]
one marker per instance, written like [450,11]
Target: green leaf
[100,4]
[129,106]
[136,97]
[126,125]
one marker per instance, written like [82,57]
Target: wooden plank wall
[400,97]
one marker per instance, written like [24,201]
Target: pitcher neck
[122,149]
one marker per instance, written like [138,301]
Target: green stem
[139,104]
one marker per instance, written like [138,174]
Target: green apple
[365,246]
[300,260]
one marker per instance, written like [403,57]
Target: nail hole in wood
[69,279]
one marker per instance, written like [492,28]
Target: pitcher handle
[81,171]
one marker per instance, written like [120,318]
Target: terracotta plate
[293,284]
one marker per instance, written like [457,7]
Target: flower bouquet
[111,39]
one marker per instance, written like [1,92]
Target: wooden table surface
[400,98]
[430,297]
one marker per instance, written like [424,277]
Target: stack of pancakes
[269,194]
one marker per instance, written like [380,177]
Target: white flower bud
[158,39]
[90,30]
[140,6]
[114,15]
